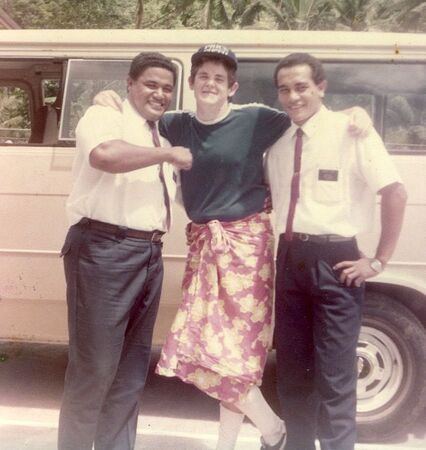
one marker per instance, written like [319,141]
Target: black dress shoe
[280,445]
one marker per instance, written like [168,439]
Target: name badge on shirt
[328,175]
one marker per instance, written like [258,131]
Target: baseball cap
[217,50]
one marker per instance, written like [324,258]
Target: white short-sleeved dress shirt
[133,199]
[339,179]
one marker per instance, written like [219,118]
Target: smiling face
[299,95]
[151,93]
[211,85]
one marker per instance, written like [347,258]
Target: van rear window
[394,94]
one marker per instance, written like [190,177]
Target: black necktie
[295,185]
[156,142]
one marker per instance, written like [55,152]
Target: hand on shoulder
[109,99]
[360,122]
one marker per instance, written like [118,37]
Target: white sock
[255,407]
[229,428]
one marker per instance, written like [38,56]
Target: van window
[50,91]
[393,94]
[29,101]
[85,78]
[15,123]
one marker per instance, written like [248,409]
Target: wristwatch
[376,265]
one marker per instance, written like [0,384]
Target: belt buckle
[121,232]
[156,236]
[304,237]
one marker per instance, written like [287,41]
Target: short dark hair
[230,68]
[297,59]
[145,60]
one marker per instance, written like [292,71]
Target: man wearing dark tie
[118,209]
[324,182]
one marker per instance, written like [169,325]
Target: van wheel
[391,369]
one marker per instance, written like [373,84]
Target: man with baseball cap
[221,331]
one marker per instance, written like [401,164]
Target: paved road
[174,416]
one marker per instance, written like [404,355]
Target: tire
[391,369]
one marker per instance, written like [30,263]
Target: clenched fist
[181,158]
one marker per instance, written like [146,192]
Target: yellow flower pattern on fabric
[257,228]
[212,275]
[179,321]
[259,313]
[212,341]
[264,336]
[204,379]
[231,337]
[265,273]
[248,304]
[239,325]
[235,282]
[254,362]
[192,288]
[194,263]
[250,261]
[224,260]
[199,309]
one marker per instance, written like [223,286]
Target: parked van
[49,77]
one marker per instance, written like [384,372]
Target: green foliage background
[357,15]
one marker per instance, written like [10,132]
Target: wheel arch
[413,299]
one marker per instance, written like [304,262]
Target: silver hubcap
[380,373]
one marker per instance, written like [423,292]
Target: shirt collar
[309,127]
[129,109]
[217,119]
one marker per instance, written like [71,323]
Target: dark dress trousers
[316,332]
[113,291]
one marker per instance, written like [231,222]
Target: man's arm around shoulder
[118,156]
[115,155]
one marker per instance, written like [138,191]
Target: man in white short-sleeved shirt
[323,183]
[132,199]
[118,209]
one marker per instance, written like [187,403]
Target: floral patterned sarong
[220,337]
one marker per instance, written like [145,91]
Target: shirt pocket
[328,185]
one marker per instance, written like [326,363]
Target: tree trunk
[207,13]
[139,14]
[6,21]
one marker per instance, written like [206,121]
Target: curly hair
[146,60]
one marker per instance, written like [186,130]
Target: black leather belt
[321,238]
[154,236]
